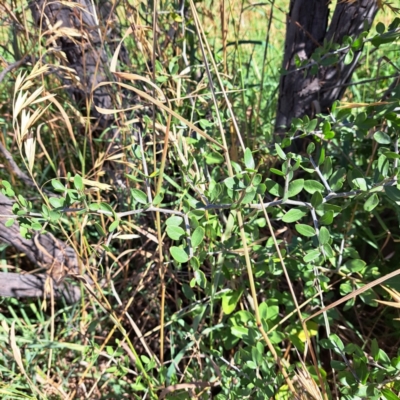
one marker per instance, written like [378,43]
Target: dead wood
[45,251]
[301,92]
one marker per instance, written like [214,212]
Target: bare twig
[12,66]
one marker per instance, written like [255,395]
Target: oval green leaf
[327,218]
[311,256]
[78,183]
[248,159]
[295,187]
[179,254]
[293,215]
[371,203]
[197,236]
[312,186]
[139,196]
[174,220]
[323,236]
[230,300]
[175,232]
[305,230]
[382,137]
[280,152]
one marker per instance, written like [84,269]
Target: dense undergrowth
[215,256]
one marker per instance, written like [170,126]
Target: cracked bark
[307,28]
[44,250]
[74,36]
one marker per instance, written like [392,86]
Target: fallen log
[44,250]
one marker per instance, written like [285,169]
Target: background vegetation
[212,262]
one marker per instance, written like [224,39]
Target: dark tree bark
[83,42]
[43,250]
[76,37]
[301,93]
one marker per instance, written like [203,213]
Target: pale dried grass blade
[33,97]
[394,293]
[18,82]
[165,108]
[114,60]
[18,104]
[356,293]
[18,358]
[308,382]
[65,118]
[95,184]
[389,303]
[30,150]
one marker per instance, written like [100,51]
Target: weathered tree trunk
[300,92]
[74,35]
[78,31]
[53,255]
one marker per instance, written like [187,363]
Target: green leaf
[311,255]
[333,343]
[382,137]
[338,365]
[94,206]
[248,159]
[360,183]
[312,186]
[311,127]
[349,57]
[392,154]
[295,187]
[78,183]
[9,222]
[99,229]
[113,226]
[249,195]
[36,226]
[305,230]
[276,171]
[57,185]
[374,349]
[230,300]
[214,158]
[310,148]
[139,196]
[293,215]
[197,236]
[392,192]
[174,220]
[336,181]
[188,292]
[328,250]
[179,254]
[327,218]
[388,394]
[106,207]
[257,179]
[371,203]
[327,168]
[200,278]
[57,202]
[323,236]
[355,265]
[205,123]
[280,152]
[175,232]
[274,188]
[316,199]
[158,199]
[380,27]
